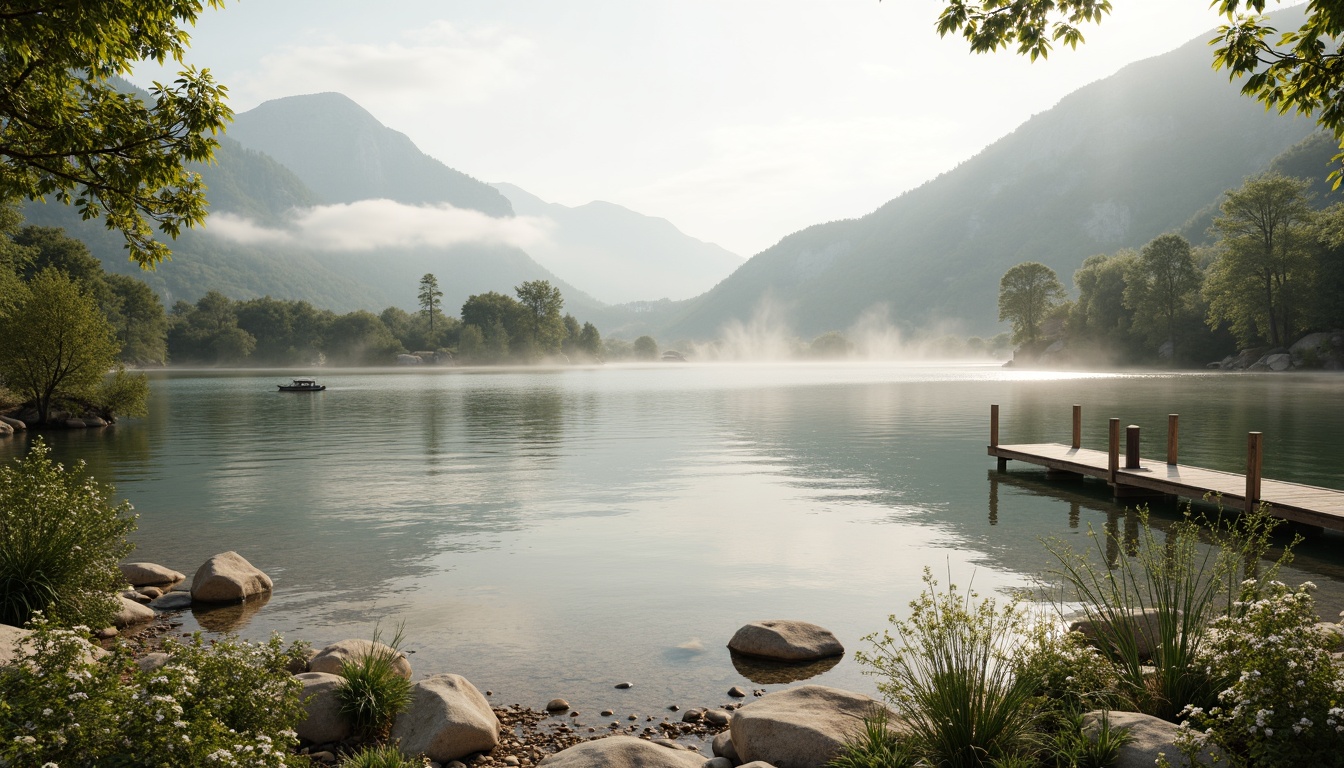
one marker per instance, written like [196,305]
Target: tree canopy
[72,135]
[1300,70]
[1027,293]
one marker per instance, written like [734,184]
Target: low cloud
[369,225]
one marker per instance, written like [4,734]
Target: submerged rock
[786,640]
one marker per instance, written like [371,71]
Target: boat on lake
[302,385]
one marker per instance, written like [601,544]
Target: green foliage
[1165,593]
[55,343]
[380,756]
[429,296]
[1071,747]
[1070,675]
[122,394]
[645,348]
[1284,706]
[1034,25]
[72,135]
[137,317]
[60,541]
[1161,287]
[949,672]
[1257,285]
[360,338]
[1027,293]
[371,693]
[590,341]
[541,304]
[227,702]
[876,746]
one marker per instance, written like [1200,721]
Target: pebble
[625,685]
[106,633]
[512,760]
[632,717]
[557,705]
[323,757]
[737,693]
[693,715]
[607,713]
[716,717]
[674,708]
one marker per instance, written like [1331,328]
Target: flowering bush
[228,703]
[1285,704]
[1070,674]
[60,540]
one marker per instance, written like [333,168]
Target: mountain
[619,255]
[1113,165]
[344,154]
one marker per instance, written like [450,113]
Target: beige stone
[447,719]
[1148,737]
[786,640]
[623,752]
[334,656]
[149,575]
[130,612]
[228,578]
[322,721]
[802,727]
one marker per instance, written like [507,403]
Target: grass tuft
[372,694]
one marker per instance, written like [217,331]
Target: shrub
[229,703]
[948,670]
[1285,705]
[60,541]
[876,746]
[383,756]
[372,694]
[1179,580]
[1071,676]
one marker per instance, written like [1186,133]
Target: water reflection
[767,672]
[229,618]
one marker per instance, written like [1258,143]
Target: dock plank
[1301,503]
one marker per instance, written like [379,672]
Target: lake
[553,532]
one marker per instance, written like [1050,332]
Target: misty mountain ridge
[1111,166]
[619,255]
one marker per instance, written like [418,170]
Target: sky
[740,121]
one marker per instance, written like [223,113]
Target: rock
[447,719]
[14,644]
[607,713]
[622,752]
[1332,633]
[131,612]
[149,575]
[93,421]
[557,705]
[716,717]
[802,727]
[717,762]
[786,641]
[75,424]
[756,764]
[737,693]
[331,658]
[512,760]
[625,685]
[322,722]
[1148,736]
[1280,362]
[107,633]
[1143,624]
[131,594]
[173,601]
[722,746]
[152,661]
[324,756]
[5,430]
[149,592]
[693,715]
[13,423]
[228,578]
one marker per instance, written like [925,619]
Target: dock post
[1254,459]
[1077,427]
[1132,446]
[1173,437]
[1113,465]
[994,435]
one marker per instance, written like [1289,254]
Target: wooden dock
[1130,475]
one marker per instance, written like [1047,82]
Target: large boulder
[786,641]
[14,644]
[334,656]
[1148,737]
[322,722]
[14,423]
[130,612]
[448,719]
[5,429]
[623,752]
[149,575]
[1143,625]
[801,727]
[228,578]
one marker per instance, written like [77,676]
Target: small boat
[673,356]
[302,385]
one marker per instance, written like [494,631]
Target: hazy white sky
[738,120]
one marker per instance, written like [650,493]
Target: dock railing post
[1173,437]
[1132,446]
[1077,427]
[1254,458]
[994,425]
[1113,464]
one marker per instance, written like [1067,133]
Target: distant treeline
[1274,273]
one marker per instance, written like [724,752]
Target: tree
[138,318]
[71,134]
[590,341]
[1100,316]
[645,348]
[360,338]
[542,304]
[1162,285]
[208,332]
[483,310]
[429,300]
[1027,293]
[1300,71]
[55,344]
[1257,283]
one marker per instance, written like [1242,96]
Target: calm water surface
[554,532]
